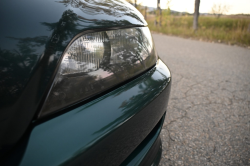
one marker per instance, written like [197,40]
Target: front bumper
[104,131]
[150,150]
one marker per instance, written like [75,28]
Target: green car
[80,84]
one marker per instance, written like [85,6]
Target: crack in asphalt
[208,115]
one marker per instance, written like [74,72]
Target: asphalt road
[208,117]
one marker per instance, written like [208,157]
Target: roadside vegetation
[214,27]
[224,29]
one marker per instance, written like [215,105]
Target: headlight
[95,62]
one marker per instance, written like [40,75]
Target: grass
[225,29]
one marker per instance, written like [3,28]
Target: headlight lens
[95,62]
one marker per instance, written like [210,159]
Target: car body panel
[96,132]
[33,37]
[150,150]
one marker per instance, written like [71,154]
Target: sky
[235,6]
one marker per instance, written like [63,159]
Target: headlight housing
[95,62]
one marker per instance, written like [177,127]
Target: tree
[133,2]
[196,14]
[167,11]
[219,9]
[158,12]
[145,15]
[168,7]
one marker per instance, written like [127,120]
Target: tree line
[217,10]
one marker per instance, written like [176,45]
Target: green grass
[224,29]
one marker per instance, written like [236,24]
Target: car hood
[33,37]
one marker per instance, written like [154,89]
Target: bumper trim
[149,151]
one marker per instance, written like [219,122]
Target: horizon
[235,7]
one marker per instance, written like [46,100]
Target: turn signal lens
[95,62]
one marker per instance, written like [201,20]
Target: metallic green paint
[33,36]
[124,117]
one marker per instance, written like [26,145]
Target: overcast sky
[236,6]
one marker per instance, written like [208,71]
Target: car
[81,84]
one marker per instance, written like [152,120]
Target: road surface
[208,117]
